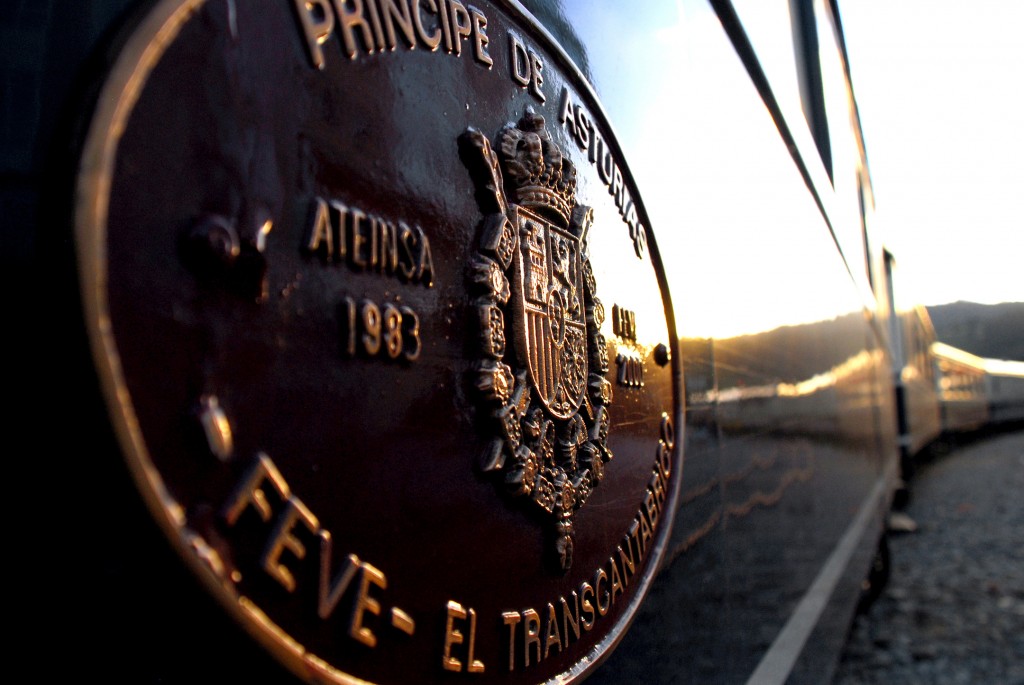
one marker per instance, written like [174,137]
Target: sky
[940,90]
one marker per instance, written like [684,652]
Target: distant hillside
[995,331]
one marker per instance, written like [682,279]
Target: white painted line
[778,661]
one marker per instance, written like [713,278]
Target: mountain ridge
[994,331]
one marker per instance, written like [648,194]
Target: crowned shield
[549,396]
[552,330]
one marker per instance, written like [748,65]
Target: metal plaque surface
[383,332]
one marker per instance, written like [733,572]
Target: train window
[799,50]
[733,149]
[869,256]
[806,41]
[769,27]
[847,206]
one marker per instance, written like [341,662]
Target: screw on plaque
[662,355]
[211,246]
[216,427]
[249,274]
[214,252]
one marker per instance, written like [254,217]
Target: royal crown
[537,175]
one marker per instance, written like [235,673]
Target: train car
[914,373]
[432,341]
[962,388]
[1005,390]
[974,392]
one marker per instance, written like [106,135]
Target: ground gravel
[953,610]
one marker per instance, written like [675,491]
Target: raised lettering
[349,20]
[585,132]
[425,263]
[320,234]
[631,370]
[567,115]
[375,26]
[531,634]
[511,618]
[365,603]
[359,239]
[657,487]
[452,636]
[371,324]
[284,539]
[537,76]
[626,560]
[634,533]
[461,25]
[475,665]
[645,530]
[480,39]
[615,578]
[446,31]
[411,343]
[339,222]
[331,592]
[387,244]
[527,68]
[615,189]
[653,512]
[407,262]
[368,243]
[605,162]
[430,40]
[571,619]
[665,446]
[586,608]
[519,59]
[250,492]
[391,331]
[317,23]
[378,31]
[397,12]
[640,240]
[551,634]
[603,598]
[583,127]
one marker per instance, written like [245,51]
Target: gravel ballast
[953,610]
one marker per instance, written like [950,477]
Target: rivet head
[212,245]
[662,355]
[216,427]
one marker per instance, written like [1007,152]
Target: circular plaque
[383,332]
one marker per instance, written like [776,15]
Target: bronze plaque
[383,331]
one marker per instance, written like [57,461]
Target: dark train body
[270,243]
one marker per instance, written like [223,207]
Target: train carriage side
[1005,388]
[754,168]
[962,388]
[737,123]
[911,335]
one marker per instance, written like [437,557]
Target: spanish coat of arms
[543,358]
